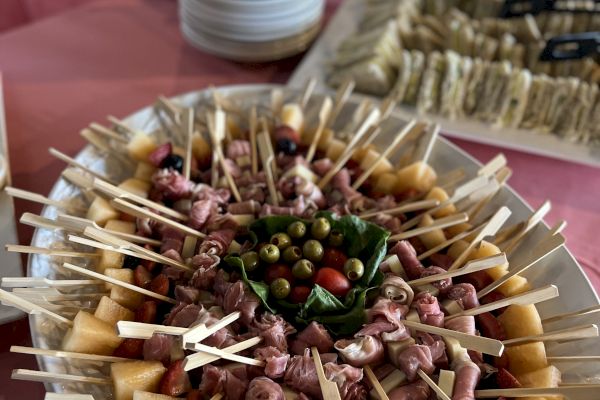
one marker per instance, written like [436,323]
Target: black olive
[131,262]
[288,146]
[173,161]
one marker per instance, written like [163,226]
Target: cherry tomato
[299,294]
[334,258]
[278,270]
[333,280]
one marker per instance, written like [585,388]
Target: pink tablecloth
[115,56]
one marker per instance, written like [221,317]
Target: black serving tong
[518,8]
[573,46]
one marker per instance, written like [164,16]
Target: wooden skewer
[438,224]
[72,161]
[65,354]
[45,282]
[560,317]
[140,212]
[139,330]
[501,178]
[557,228]
[530,297]
[67,396]
[440,393]
[200,332]
[493,166]
[15,248]
[329,389]
[39,222]
[32,294]
[308,91]
[82,181]
[577,359]
[400,136]
[41,376]
[117,192]
[426,143]
[217,396]
[471,342]
[38,198]
[266,158]
[120,124]
[412,206]
[324,113]
[572,333]
[216,130]
[117,282]
[188,124]
[540,252]
[574,392]
[448,242]
[531,222]
[370,120]
[472,266]
[451,178]
[109,133]
[103,246]
[198,360]
[341,97]
[490,228]
[172,110]
[213,351]
[253,150]
[28,307]
[276,101]
[376,384]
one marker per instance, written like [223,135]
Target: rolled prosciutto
[361,351]
[397,290]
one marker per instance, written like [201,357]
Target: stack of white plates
[251,30]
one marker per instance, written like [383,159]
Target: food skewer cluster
[193,272]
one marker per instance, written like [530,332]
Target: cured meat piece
[183,316]
[158,348]
[310,192]
[232,167]
[273,329]
[183,206]
[322,166]
[408,258]
[264,389]
[443,284]
[187,294]
[249,179]
[361,351]
[490,326]
[173,255]
[159,154]
[465,294]
[385,320]
[347,379]
[238,148]
[175,382]
[160,284]
[436,345]
[171,184]
[146,313]
[130,348]
[171,239]
[389,222]
[200,213]
[206,270]
[314,334]
[467,377]
[255,191]
[413,358]
[240,298]
[397,290]
[223,337]
[287,186]
[386,203]
[443,261]
[217,242]
[418,390]
[464,324]
[217,380]
[297,209]
[301,375]
[429,309]
[142,277]
[276,361]
[143,227]
[245,207]
[341,182]
[202,191]
[478,279]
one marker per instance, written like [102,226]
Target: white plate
[560,268]
[344,23]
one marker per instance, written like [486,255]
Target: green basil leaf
[320,301]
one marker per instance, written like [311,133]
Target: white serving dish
[344,23]
[560,268]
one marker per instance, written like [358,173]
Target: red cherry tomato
[275,271]
[334,258]
[333,280]
[299,294]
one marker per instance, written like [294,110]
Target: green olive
[336,238]
[250,260]
[313,250]
[297,229]
[292,254]
[280,288]
[303,269]
[354,269]
[269,253]
[320,228]
[281,240]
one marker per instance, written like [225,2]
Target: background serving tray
[345,23]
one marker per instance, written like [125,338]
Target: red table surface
[116,56]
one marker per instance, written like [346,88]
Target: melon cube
[519,321]
[141,395]
[123,296]
[417,176]
[309,134]
[112,312]
[144,171]
[526,357]
[514,286]
[292,116]
[130,376]
[360,153]
[454,230]
[369,159]
[109,260]
[432,238]
[385,183]
[485,249]
[336,149]
[91,335]
[439,194]
[136,186]
[457,248]
[118,225]
[541,378]
[395,379]
[101,211]
[140,146]
[201,150]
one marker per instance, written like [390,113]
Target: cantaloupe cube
[101,211]
[385,183]
[231,124]
[140,146]
[144,171]
[526,357]
[140,395]
[417,176]
[109,259]
[292,116]
[91,335]
[326,136]
[454,230]
[118,225]
[457,248]
[360,153]
[201,150]
[370,157]
[336,149]
[112,312]
[519,321]
[136,186]
[541,378]
[432,238]
[487,249]
[439,194]
[125,297]
[514,286]
[130,376]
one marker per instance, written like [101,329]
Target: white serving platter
[560,268]
[344,23]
